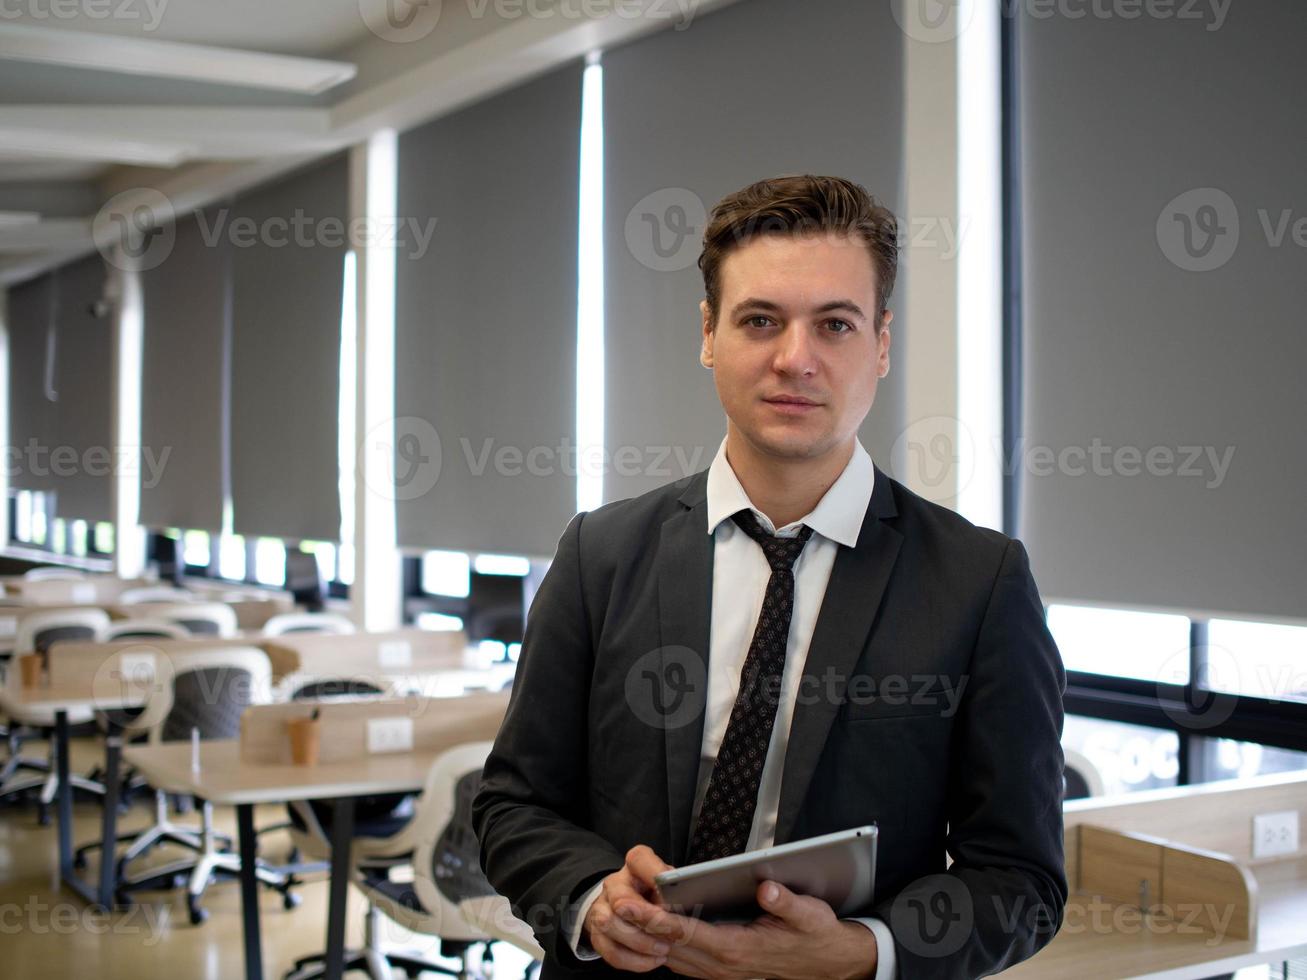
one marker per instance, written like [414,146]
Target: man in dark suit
[785,645]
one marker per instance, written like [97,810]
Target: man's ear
[883,339]
[705,353]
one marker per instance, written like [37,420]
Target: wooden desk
[223,778]
[1113,939]
[55,704]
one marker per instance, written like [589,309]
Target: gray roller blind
[755,90]
[30,322]
[288,248]
[83,457]
[1164,290]
[183,380]
[486,321]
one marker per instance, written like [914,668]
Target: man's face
[795,351]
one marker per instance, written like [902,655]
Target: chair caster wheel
[197,915]
[79,861]
[43,815]
[291,901]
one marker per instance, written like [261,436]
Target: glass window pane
[77,538]
[447,573]
[1225,758]
[1264,660]
[231,557]
[269,562]
[23,520]
[195,549]
[438,622]
[1144,646]
[501,565]
[58,536]
[104,538]
[1122,758]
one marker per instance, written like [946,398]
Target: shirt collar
[838,515]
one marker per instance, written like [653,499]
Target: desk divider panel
[347,729]
[125,668]
[1199,888]
[409,651]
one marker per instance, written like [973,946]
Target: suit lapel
[685,562]
[853,596]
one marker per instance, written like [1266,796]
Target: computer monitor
[304,580]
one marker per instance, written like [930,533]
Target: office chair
[199,618]
[143,629]
[155,593]
[36,633]
[295,622]
[439,844]
[206,691]
[50,573]
[1081,777]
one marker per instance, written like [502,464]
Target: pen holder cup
[32,666]
[304,740]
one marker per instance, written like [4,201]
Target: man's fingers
[623,957]
[798,911]
[645,865]
[631,936]
[660,922]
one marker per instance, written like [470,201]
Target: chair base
[377,965]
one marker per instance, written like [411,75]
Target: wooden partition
[1203,888]
[348,729]
[409,651]
[107,670]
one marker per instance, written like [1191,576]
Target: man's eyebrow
[755,303]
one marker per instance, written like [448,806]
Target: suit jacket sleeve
[530,814]
[1003,897]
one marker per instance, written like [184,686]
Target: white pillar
[375,593]
[950,451]
[4,416]
[125,490]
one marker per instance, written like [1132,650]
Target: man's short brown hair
[801,205]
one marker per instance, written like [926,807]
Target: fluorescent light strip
[590,294]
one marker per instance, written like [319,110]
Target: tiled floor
[48,932]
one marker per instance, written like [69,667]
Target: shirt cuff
[580,910]
[886,964]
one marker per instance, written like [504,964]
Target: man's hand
[798,938]
[624,899]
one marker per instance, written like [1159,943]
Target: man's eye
[758,321]
[839,326]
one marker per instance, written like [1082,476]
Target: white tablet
[838,868]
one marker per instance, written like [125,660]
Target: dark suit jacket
[600,748]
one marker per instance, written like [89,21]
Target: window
[1262,660]
[447,573]
[269,562]
[195,549]
[1224,758]
[23,514]
[103,538]
[58,536]
[501,565]
[77,533]
[1124,758]
[438,622]
[231,557]
[1145,646]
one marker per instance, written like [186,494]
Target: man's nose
[796,352]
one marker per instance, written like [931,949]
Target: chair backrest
[284,623]
[447,862]
[36,631]
[199,618]
[1081,777]
[204,689]
[50,573]
[140,629]
[155,593]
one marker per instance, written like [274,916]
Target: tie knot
[781,552]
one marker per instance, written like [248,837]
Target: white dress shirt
[740,575]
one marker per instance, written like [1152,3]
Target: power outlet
[390,735]
[1275,834]
[395,653]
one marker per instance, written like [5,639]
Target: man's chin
[789,445]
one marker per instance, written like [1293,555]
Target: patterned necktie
[726,816]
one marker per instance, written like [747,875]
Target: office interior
[320,319]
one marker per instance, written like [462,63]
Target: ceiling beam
[171,59]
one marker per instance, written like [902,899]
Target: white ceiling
[302,27]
